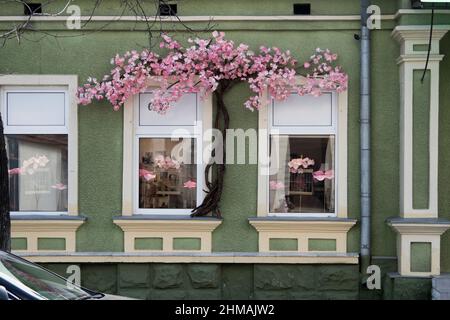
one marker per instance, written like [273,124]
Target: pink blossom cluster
[276,185]
[190,184]
[146,175]
[166,163]
[322,74]
[29,166]
[203,65]
[323,175]
[297,165]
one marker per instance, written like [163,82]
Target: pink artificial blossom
[322,175]
[190,184]
[276,185]
[15,171]
[166,163]
[59,186]
[297,165]
[147,175]
[200,67]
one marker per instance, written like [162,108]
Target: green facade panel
[421,137]
[186,243]
[283,244]
[148,243]
[51,244]
[18,243]
[420,257]
[321,245]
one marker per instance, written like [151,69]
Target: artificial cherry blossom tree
[213,66]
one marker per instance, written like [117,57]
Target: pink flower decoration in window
[166,163]
[15,171]
[322,175]
[190,184]
[276,185]
[59,186]
[146,175]
[297,165]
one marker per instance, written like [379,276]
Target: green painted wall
[208,7]
[421,137]
[444,149]
[100,129]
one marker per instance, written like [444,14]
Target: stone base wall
[219,281]
[242,281]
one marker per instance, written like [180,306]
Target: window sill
[167,233]
[302,234]
[36,233]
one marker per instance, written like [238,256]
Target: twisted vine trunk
[5,222]
[211,203]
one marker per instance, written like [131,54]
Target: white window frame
[66,84]
[338,129]
[133,132]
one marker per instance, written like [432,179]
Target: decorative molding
[167,229]
[198,18]
[179,257]
[32,230]
[302,230]
[418,230]
[408,36]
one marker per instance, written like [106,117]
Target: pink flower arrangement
[146,175]
[166,163]
[190,184]
[59,186]
[297,165]
[201,66]
[322,175]
[276,185]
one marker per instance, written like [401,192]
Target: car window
[38,279]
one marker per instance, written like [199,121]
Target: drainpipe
[365,137]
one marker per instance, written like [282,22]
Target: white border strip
[198,18]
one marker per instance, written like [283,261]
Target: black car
[23,280]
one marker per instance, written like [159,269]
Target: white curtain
[280,147]
[35,186]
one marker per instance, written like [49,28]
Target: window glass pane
[167,173]
[304,181]
[37,172]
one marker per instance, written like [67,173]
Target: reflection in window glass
[304,181]
[167,173]
[37,166]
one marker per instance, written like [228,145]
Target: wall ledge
[193,257]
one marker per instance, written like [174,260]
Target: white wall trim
[199,18]
[71,83]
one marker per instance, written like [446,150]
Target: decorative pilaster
[419,228]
